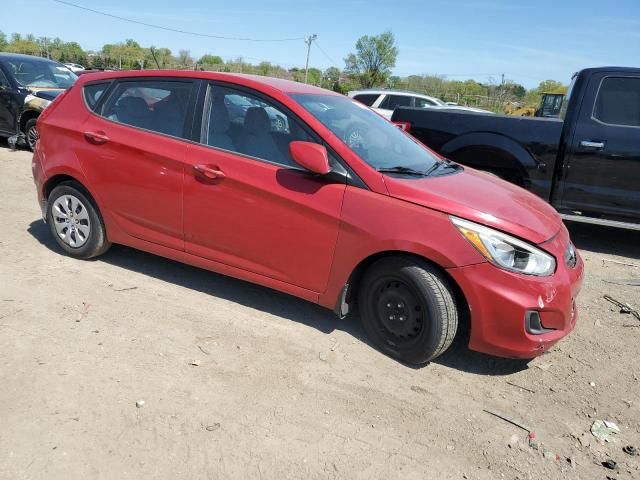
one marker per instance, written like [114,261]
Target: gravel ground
[238,381]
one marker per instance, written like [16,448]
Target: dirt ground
[239,381]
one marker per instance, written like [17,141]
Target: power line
[334,63]
[169,29]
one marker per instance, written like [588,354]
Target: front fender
[373,223]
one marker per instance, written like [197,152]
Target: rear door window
[157,105]
[367,98]
[424,103]
[618,101]
[391,102]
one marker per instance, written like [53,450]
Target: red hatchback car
[308,192]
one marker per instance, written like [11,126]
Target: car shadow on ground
[270,301]
[606,240]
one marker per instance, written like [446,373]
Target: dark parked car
[585,163]
[27,86]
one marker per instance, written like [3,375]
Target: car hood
[46,93]
[481,198]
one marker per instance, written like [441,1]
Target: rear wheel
[31,133]
[408,309]
[75,222]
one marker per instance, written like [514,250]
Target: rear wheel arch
[497,154]
[25,117]
[59,179]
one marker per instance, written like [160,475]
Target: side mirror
[311,156]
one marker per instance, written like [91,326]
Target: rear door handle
[591,144]
[209,171]
[96,138]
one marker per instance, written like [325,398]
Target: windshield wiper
[442,164]
[403,171]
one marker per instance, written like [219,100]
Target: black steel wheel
[408,309]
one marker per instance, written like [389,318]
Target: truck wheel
[30,133]
[408,309]
[75,222]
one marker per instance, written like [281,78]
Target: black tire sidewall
[97,238]
[427,344]
[31,123]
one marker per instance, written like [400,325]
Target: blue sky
[527,40]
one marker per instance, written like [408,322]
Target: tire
[30,133]
[407,309]
[75,222]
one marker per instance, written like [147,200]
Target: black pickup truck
[585,163]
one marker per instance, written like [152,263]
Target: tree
[314,76]
[534,95]
[517,90]
[374,58]
[209,59]
[3,41]
[184,58]
[264,68]
[551,86]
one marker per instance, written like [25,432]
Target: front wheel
[408,309]
[75,222]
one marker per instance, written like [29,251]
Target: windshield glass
[36,73]
[377,141]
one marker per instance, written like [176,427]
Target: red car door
[134,156]
[246,203]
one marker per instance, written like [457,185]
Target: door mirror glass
[311,156]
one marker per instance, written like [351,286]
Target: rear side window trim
[595,102]
[106,93]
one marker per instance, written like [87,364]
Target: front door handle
[209,171]
[591,144]
[96,138]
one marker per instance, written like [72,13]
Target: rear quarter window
[93,93]
[366,98]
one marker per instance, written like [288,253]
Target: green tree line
[370,65]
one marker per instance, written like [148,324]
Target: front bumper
[500,300]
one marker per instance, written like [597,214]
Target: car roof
[633,70]
[384,91]
[254,81]
[21,56]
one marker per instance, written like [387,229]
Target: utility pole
[308,40]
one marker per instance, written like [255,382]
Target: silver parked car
[386,101]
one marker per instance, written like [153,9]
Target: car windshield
[41,74]
[377,141]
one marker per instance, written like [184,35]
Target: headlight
[505,251]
